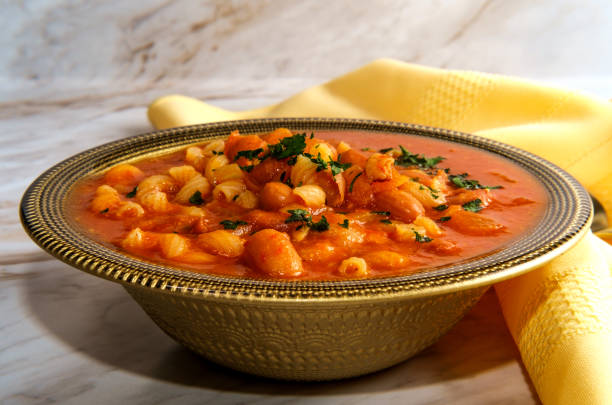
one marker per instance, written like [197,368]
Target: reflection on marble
[76,74]
[59,318]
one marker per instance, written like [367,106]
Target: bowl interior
[44,216]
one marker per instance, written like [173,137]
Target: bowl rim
[43,217]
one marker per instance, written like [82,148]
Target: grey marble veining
[75,74]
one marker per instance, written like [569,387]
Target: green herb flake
[249,154]
[344,224]
[461,181]
[196,198]
[441,207]
[386,213]
[104,211]
[385,150]
[214,152]
[444,219]
[289,146]
[235,197]
[353,181]
[132,193]
[337,167]
[408,159]
[421,238]
[247,168]
[366,149]
[301,215]
[385,221]
[227,224]
[473,206]
[298,215]
[320,226]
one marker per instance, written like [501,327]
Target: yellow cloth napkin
[560,314]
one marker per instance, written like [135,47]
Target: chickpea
[275,195]
[400,204]
[273,253]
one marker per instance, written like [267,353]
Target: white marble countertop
[74,75]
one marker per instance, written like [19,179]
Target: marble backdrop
[74,74]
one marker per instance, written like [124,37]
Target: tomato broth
[331,205]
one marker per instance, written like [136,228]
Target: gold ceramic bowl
[300,330]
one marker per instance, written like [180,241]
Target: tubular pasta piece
[197,183]
[182,174]
[228,190]
[312,195]
[386,259]
[129,209]
[157,182]
[155,201]
[173,245]
[214,163]
[195,157]
[353,267]
[429,225]
[406,232]
[303,172]
[379,167]
[106,199]
[221,242]
[227,173]
[214,148]
[323,150]
[428,197]
[123,177]
[138,239]
[247,199]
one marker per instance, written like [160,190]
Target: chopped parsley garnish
[408,159]
[444,219]
[385,150]
[104,211]
[320,226]
[335,166]
[289,146]
[247,168]
[353,181]
[385,221]
[301,215]
[366,149]
[421,238]
[196,198]
[473,206]
[441,207]
[298,215]
[235,197]
[249,154]
[227,224]
[461,181]
[132,193]
[214,152]
[344,224]
[387,213]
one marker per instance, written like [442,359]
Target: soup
[311,206]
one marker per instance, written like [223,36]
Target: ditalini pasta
[325,206]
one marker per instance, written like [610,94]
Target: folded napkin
[560,314]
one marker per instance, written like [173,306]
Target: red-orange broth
[387,245]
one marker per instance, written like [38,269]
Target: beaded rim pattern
[44,216]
